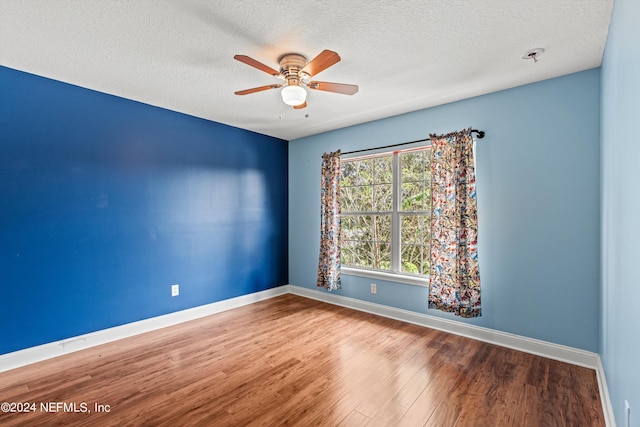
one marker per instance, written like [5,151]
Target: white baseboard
[42,352]
[609,417]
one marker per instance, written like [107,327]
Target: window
[386,212]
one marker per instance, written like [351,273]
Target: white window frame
[395,275]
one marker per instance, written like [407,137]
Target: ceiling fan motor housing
[290,66]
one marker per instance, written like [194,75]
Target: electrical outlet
[175,290]
[627,414]
[374,288]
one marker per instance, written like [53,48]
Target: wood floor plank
[410,391]
[495,398]
[354,419]
[435,392]
[389,415]
[530,407]
[295,361]
[469,392]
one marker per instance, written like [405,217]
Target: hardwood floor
[295,361]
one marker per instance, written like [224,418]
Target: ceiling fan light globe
[293,95]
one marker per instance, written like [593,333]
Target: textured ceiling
[404,55]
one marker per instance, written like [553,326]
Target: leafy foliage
[367,206]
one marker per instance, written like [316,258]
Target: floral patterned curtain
[454,280]
[329,263]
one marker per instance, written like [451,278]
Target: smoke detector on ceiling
[533,54]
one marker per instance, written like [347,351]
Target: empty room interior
[414,213]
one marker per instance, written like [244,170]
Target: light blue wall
[538,200]
[620,339]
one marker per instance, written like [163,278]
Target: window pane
[364,172]
[427,196]
[382,230]
[347,199]
[363,254]
[383,256]
[413,195]
[412,167]
[426,230]
[383,170]
[364,228]
[416,181]
[426,261]
[411,259]
[348,174]
[415,259]
[346,253]
[364,199]
[415,166]
[348,226]
[382,195]
[411,226]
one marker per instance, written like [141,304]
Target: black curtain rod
[479,132]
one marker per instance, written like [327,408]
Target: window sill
[391,277]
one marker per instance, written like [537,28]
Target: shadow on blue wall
[106,202]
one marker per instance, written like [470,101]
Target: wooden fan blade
[324,60]
[256,64]
[256,89]
[334,87]
[301,106]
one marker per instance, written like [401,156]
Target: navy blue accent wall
[106,202]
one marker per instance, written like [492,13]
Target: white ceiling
[404,55]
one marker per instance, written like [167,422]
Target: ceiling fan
[295,70]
